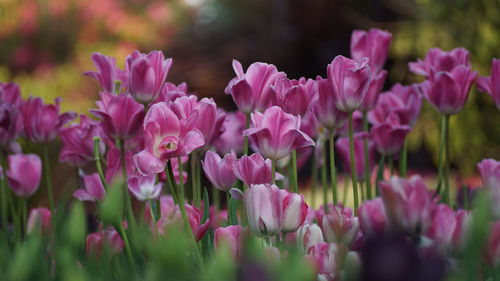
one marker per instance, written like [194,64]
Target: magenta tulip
[230,237]
[325,258]
[442,226]
[254,169]
[309,235]
[294,211]
[389,136]
[350,80]
[24,173]
[490,177]
[438,60]
[171,92]
[144,187]
[295,96]
[357,125]
[231,138]
[220,171]
[194,216]
[10,94]
[107,74]
[373,44]
[339,225]
[121,115]
[252,90]
[372,217]
[373,92]
[275,133]
[491,84]
[147,74]
[463,220]
[39,221]
[342,147]
[408,204]
[93,189]
[325,109]
[78,142]
[264,209]
[11,123]
[165,137]
[104,238]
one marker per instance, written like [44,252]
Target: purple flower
[93,189]
[24,173]
[373,92]
[170,92]
[438,60]
[295,96]
[372,217]
[107,73]
[389,136]
[491,84]
[254,169]
[325,109]
[342,146]
[220,171]
[231,138]
[373,44]
[11,123]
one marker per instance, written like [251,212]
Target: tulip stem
[403,160]
[440,154]
[194,179]
[4,192]
[391,165]
[324,184]
[97,159]
[447,159]
[314,176]
[128,201]
[295,184]
[368,184]
[353,164]
[245,139]
[273,171]
[230,210]
[333,170]
[170,180]
[23,215]
[48,180]
[151,212]
[127,245]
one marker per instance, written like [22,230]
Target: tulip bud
[230,237]
[339,225]
[254,169]
[309,235]
[220,171]
[373,44]
[39,221]
[294,211]
[372,217]
[264,209]
[25,171]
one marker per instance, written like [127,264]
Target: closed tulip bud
[39,221]
[349,80]
[372,217]
[108,237]
[230,237]
[373,91]
[443,226]
[325,109]
[294,211]
[93,191]
[264,209]
[254,169]
[252,90]
[339,225]
[408,204]
[24,173]
[309,235]
[220,171]
[107,73]
[463,220]
[275,133]
[144,188]
[373,44]
[147,74]
[490,177]
[491,84]
[389,136]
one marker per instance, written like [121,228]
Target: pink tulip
[294,211]
[325,109]
[230,237]
[448,91]
[171,92]
[220,171]
[408,204]
[252,90]
[491,84]
[326,260]
[389,136]
[11,123]
[443,226]
[231,138]
[404,101]
[24,173]
[357,125]
[339,225]
[342,147]
[78,142]
[372,217]
[493,246]
[108,237]
[295,96]
[264,209]
[165,137]
[373,92]
[373,44]
[275,133]
[438,60]
[107,73]
[10,94]
[463,220]
[350,80]
[194,216]
[121,115]
[254,169]
[39,221]
[147,74]
[490,177]
[114,169]
[42,122]
[309,235]
[93,189]
[144,188]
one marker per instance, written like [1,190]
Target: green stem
[314,176]
[229,209]
[295,184]
[380,174]
[353,164]
[128,201]
[403,160]
[333,170]
[391,165]
[447,160]
[4,192]
[194,179]
[368,184]
[245,139]
[324,184]
[440,153]
[151,212]
[273,171]
[24,210]
[48,180]
[97,160]
[127,245]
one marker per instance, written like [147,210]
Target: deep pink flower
[144,187]
[98,240]
[463,220]
[408,204]
[114,168]
[252,90]
[357,125]
[438,60]
[389,136]
[339,225]
[11,123]
[170,92]
[78,142]
[93,189]
[491,84]
[264,209]
[39,221]
[372,217]
[350,80]
[220,171]
[309,235]
[231,138]
[294,210]
[147,74]
[490,177]
[373,44]
[275,133]
[42,122]
[373,91]
[121,115]
[10,94]
[295,96]
[325,109]
[107,73]
[326,259]
[165,137]
[24,173]
[254,169]
[230,237]
[493,246]
[194,215]
[342,147]
[442,226]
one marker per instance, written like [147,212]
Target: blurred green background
[45,45]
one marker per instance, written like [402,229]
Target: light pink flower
[339,225]
[294,210]
[220,171]
[254,169]
[39,221]
[372,217]
[438,60]
[264,209]
[295,96]
[144,188]
[230,237]
[325,109]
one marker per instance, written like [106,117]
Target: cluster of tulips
[141,156]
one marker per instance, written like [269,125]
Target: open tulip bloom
[152,160]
